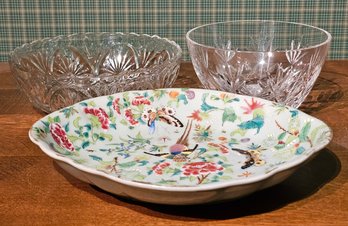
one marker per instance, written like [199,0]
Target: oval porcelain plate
[180,146]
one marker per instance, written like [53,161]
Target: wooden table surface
[35,190]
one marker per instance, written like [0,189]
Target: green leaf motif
[168,170]
[92,103]
[113,119]
[143,162]
[46,126]
[167,182]
[85,144]
[139,177]
[94,121]
[239,131]
[124,122]
[234,99]
[290,139]
[214,97]
[50,119]
[258,113]
[127,164]
[95,136]
[192,178]
[106,136]
[139,136]
[158,94]
[228,170]
[56,119]
[73,138]
[69,111]
[76,122]
[304,132]
[66,127]
[223,158]
[80,161]
[126,102]
[282,136]
[315,132]
[96,158]
[279,146]
[225,178]
[88,127]
[149,172]
[176,172]
[228,115]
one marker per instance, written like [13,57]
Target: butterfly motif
[253,157]
[164,114]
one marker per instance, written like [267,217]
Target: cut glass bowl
[57,72]
[274,60]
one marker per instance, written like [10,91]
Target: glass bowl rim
[190,40]
[177,54]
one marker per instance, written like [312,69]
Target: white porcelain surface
[180,146]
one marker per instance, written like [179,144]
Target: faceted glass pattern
[57,72]
[278,61]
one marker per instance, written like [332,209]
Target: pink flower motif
[140,100]
[252,106]
[60,136]
[129,116]
[197,168]
[103,118]
[116,105]
[158,169]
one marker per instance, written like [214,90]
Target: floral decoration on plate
[180,137]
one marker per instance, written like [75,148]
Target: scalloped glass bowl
[274,60]
[180,146]
[57,72]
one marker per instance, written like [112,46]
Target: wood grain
[35,190]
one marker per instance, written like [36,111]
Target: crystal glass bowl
[57,72]
[274,60]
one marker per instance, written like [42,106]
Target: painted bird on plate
[180,150]
[255,123]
